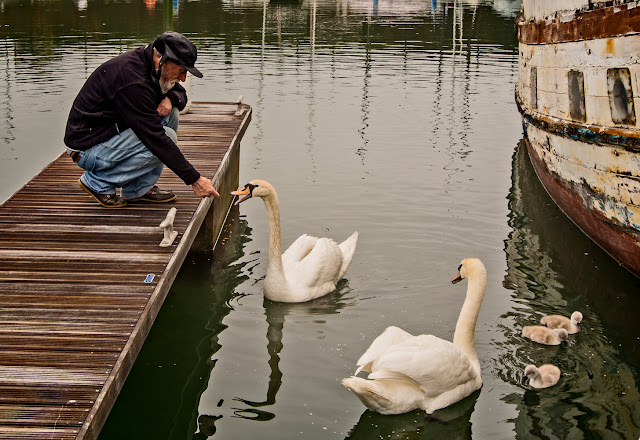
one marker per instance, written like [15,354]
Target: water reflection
[276,314]
[554,268]
[455,424]
[177,357]
[400,94]
[73,37]
[366,73]
[7,126]
[81,4]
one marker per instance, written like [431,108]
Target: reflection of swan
[311,267]
[276,313]
[544,376]
[572,325]
[544,335]
[275,319]
[456,424]
[424,372]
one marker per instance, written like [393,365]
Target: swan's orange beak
[246,192]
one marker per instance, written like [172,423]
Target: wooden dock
[81,285]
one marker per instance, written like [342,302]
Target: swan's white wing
[298,249]
[319,266]
[437,365]
[388,338]
[394,375]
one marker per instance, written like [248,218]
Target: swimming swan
[544,335]
[543,376]
[311,267]
[572,325]
[424,372]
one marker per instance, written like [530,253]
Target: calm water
[393,118]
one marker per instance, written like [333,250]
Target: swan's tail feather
[364,367]
[386,396]
[348,248]
[367,393]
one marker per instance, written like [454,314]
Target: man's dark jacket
[123,93]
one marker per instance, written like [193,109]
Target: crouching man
[123,123]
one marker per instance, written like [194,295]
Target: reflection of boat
[546,276]
[545,273]
[578,70]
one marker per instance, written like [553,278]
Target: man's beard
[165,85]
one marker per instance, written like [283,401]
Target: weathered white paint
[534,10]
[592,58]
[601,157]
[605,178]
[597,169]
[542,9]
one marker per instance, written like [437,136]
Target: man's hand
[165,107]
[204,188]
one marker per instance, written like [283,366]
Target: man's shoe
[156,195]
[106,200]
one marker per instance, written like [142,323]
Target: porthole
[577,110]
[621,96]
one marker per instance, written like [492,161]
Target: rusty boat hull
[578,90]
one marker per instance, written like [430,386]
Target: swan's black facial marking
[458,277]
[246,191]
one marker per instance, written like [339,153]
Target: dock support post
[214,220]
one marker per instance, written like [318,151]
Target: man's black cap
[178,49]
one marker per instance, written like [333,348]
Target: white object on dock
[167,225]
[239,110]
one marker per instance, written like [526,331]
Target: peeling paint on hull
[622,243]
[584,26]
[588,158]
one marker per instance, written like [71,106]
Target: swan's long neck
[274,263]
[464,337]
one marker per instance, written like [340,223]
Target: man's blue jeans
[125,162]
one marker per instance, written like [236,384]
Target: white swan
[544,335]
[572,325]
[424,372]
[311,267]
[543,376]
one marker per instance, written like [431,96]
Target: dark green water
[396,119]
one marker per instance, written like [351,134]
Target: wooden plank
[75,304]
[47,395]
[85,288]
[61,358]
[22,433]
[52,376]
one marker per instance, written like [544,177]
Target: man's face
[170,74]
